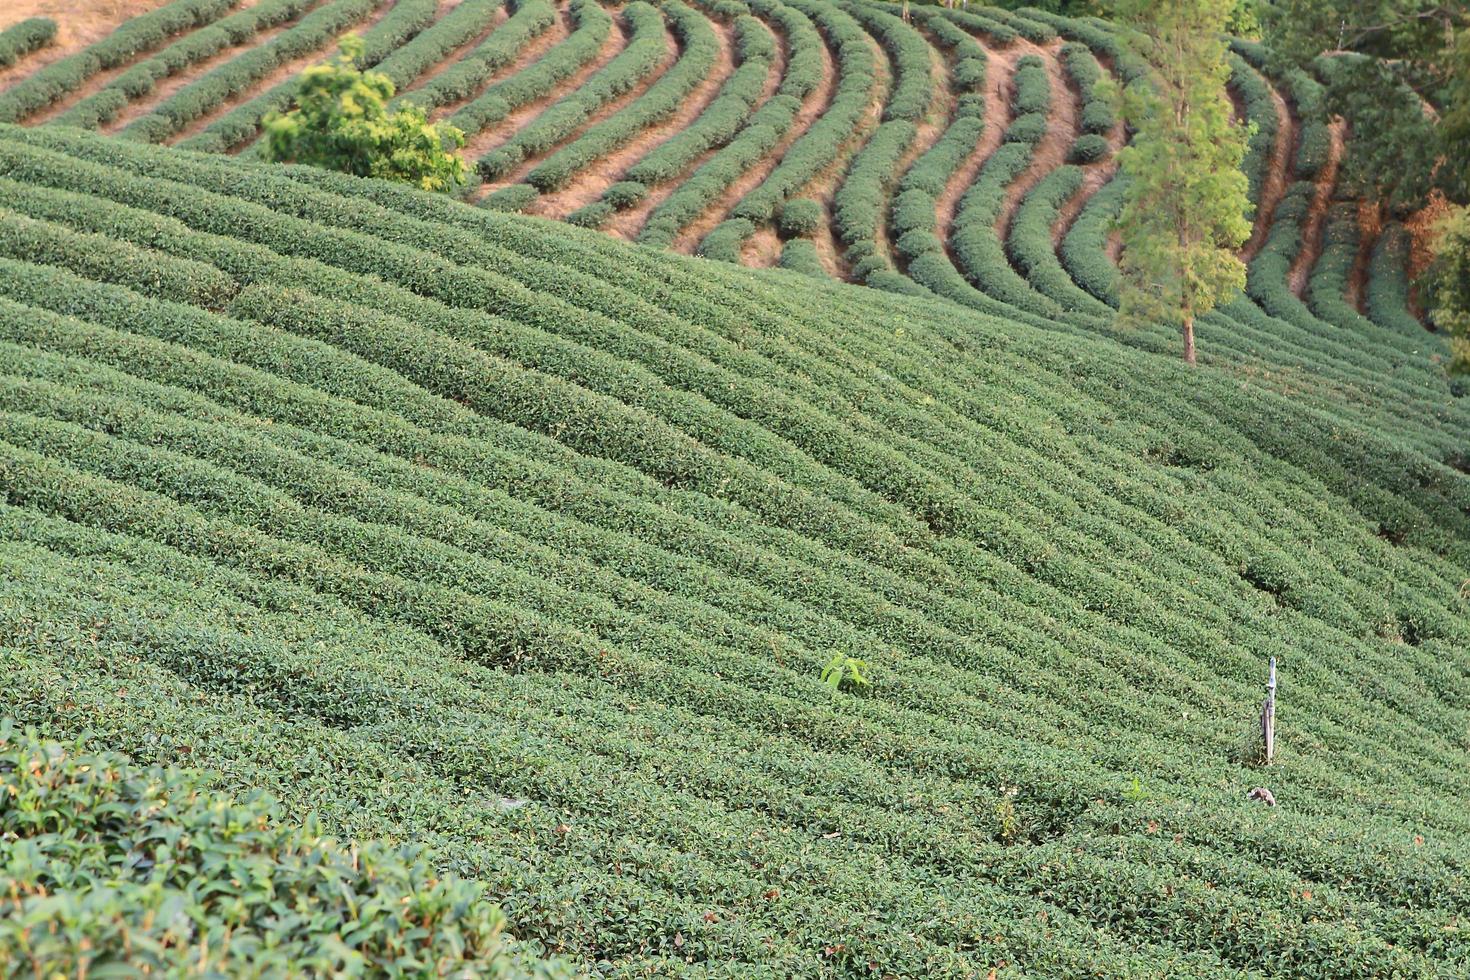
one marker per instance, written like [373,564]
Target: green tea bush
[800,217]
[644,51]
[1089,148]
[313,31]
[1260,111]
[800,255]
[819,146]
[1386,294]
[471,529]
[120,868]
[23,37]
[134,37]
[396,31]
[140,77]
[722,119]
[697,52]
[763,131]
[495,102]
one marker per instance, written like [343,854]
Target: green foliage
[800,217]
[23,37]
[341,122]
[401,30]
[1383,60]
[135,36]
[1449,283]
[202,96]
[114,868]
[1184,211]
[845,673]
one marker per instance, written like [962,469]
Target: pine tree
[1185,210]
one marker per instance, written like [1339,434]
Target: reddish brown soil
[534,51]
[762,250]
[1278,174]
[1421,228]
[502,131]
[1312,227]
[79,23]
[823,187]
[592,182]
[1001,64]
[627,224]
[281,74]
[811,110]
[1051,152]
[1370,226]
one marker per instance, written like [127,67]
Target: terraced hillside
[507,538]
[963,153]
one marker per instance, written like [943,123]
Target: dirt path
[823,187]
[627,224]
[534,50]
[811,110]
[1370,226]
[936,120]
[1278,175]
[1312,227]
[999,67]
[500,16]
[78,25]
[603,112]
[283,72]
[1051,152]
[168,86]
[1094,175]
[610,169]
[481,143]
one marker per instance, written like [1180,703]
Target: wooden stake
[1268,715]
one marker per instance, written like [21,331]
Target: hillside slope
[497,535]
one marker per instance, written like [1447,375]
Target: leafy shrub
[115,868]
[19,40]
[844,672]
[1088,148]
[341,122]
[625,194]
[800,217]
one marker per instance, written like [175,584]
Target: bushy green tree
[1184,214]
[1450,285]
[341,122]
[1398,72]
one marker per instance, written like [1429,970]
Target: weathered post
[1268,715]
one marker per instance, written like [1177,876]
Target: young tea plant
[845,673]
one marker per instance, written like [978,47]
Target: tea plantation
[385,574]
[503,539]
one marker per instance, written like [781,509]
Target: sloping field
[484,532]
[963,153]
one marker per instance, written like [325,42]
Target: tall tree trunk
[1188,331]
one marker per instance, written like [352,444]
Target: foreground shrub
[117,869]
